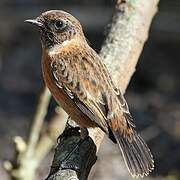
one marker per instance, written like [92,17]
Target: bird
[82,85]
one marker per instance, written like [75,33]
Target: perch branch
[120,52]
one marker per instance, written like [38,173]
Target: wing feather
[82,87]
[90,86]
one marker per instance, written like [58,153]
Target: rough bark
[120,52]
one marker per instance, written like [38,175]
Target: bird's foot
[84,133]
[70,131]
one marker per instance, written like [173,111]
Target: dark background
[153,93]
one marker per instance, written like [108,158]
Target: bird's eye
[60,25]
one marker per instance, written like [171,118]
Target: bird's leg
[84,133]
[73,130]
[68,124]
[70,128]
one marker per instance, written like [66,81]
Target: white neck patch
[55,49]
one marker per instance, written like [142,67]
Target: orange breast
[61,97]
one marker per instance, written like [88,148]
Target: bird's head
[56,27]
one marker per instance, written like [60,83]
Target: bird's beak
[35,22]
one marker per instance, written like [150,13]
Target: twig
[39,117]
[29,155]
[120,52]
[53,130]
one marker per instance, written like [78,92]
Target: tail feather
[136,154]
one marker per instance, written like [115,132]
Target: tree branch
[120,52]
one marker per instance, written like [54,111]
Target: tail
[136,154]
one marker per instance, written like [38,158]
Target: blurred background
[153,93]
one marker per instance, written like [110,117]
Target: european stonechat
[81,84]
